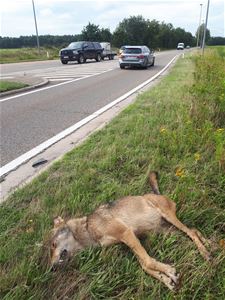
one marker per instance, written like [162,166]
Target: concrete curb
[27,88]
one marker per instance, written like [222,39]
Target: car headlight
[75,52]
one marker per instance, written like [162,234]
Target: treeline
[31,41]
[217,40]
[132,30]
[137,30]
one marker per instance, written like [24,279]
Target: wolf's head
[63,243]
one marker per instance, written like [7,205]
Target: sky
[59,17]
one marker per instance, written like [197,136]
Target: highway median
[6,86]
[176,128]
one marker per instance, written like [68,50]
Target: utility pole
[198,33]
[206,21]
[35,21]
[202,33]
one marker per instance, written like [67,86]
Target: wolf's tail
[153,180]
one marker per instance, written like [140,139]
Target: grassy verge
[27,54]
[161,131]
[10,85]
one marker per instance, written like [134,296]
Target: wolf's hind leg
[194,234]
[161,271]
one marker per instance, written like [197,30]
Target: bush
[208,99]
[209,88]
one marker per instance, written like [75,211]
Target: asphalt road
[29,120]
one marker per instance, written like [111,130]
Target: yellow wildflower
[163,130]
[179,172]
[220,130]
[197,156]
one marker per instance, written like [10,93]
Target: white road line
[73,72]
[60,79]
[58,70]
[66,75]
[7,77]
[49,87]
[70,74]
[28,155]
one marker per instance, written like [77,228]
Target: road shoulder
[25,172]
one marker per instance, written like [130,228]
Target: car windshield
[132,50]
[75,45]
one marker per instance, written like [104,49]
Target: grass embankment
[175,128]
[10,85]
[27,54]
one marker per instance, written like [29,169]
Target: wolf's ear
[58,221]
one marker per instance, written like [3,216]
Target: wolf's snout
[63,254]
[59,260]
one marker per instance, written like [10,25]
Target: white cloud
[46,12]
[70,16]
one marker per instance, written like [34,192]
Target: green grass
[10,85]
[219,49]
[27,54]
[159,131]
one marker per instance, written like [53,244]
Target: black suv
[81,51]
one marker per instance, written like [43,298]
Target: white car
[180,46]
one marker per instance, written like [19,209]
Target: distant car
[188,47]
[180,46]
[80,52]
[139,56]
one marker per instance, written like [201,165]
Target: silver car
[140,56]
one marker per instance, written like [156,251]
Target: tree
[166,35]
[106,35]
[91,33]
[132,30]
[152,35]
[216,40]
[200,34]
[182,36]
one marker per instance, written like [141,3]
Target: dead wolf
[124,220]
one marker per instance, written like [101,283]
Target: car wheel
[98,58]
[64,62]
[145,66]
[122,67]
[81,59]
[153,62]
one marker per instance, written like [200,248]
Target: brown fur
[123,221]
